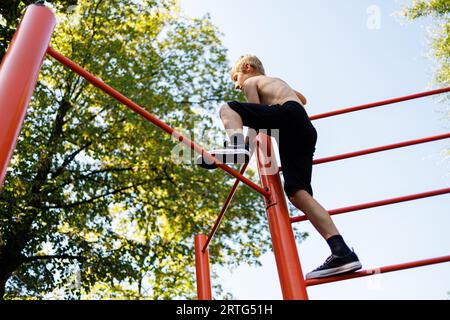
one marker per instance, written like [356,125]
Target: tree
[10,13]
[92,206]
[439,35]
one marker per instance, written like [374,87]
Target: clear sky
[335,54]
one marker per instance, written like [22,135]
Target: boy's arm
[301,97]
[251,91]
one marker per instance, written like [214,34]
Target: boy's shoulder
[257,79]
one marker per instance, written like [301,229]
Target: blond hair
[248,59]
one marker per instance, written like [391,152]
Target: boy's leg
[234,116]
[319,217]
[236,151]
[342,259]
[232,121]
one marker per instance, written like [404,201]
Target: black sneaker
[230,154]
[336,265]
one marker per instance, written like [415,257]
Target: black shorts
[296,139]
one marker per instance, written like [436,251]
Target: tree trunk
[10,260]
[11,256]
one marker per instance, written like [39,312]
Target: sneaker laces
[326,262]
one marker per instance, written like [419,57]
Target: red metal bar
[150,117]
[380,103]
[18,75]
[380,203]
[284,246]
[371,272]
[202,269]
[379,149]
[224,209]
[382,148]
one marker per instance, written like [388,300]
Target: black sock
[237,139]
[338,246]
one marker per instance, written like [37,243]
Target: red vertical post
[18,75]
[202,268]
[284,247]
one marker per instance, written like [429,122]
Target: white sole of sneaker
[230,151]
[231,155]
[349,267]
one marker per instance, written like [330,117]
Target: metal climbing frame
[301,293]
[18,75]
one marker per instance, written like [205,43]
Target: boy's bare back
[272,90]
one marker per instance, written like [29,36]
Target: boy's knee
[224,109]
[299,196]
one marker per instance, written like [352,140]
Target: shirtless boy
[272,104]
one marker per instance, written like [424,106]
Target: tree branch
[93,199]
[89,176]
[68,159]
[85,57]
[168,175]
[218,99]
[95,115]
[49,257]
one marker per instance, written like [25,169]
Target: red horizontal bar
[380,103]
[379,149]
[379,203]
[382,148]
[224,209]
[150,117]
[371,272]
